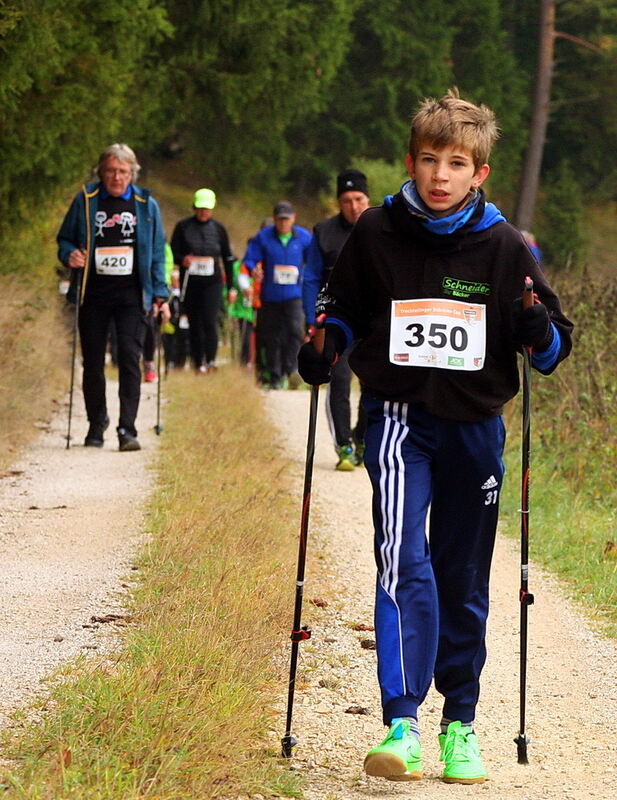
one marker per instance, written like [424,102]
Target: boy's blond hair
[454,121]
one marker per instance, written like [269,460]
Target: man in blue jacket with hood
[113,232]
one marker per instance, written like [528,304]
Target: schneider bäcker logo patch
[456,361]
[402,358]
[458,288]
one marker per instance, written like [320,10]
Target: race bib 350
[446,334]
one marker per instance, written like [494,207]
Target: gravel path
[572,677]
[66,553]
[70,521]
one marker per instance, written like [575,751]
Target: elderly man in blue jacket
[113,232]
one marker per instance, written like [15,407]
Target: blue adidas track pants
[432,585]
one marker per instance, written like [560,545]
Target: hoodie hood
[476,215]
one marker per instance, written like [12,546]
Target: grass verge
[573,496]
[185,709]
[35,331]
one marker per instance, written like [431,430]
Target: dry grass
[186,711]
[35,332]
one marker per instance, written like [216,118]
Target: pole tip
[288,743]
[521,747]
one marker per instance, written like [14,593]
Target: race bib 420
[446,334]
[113,260]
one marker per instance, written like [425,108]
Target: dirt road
[69,522]
[572,683]
[66,552]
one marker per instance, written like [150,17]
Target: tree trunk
[532,164]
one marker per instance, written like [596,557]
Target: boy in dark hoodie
[429,288]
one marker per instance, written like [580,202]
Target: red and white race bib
[431,332]
[113,260]
[286,274]
[201,265]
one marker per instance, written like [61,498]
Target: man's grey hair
[123,153]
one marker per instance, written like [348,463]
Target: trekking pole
[300,633]
[74,353]
[158,427]
[526,599]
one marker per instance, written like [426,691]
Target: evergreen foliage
[244,72]
[67,76]
[281,96]
[562,219]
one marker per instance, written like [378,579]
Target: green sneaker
[398,757]
[358,456]
[294,381]
[461,755]
[345,461]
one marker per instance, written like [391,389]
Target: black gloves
[315,367]
[531,327]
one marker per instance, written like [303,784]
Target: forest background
[278,96]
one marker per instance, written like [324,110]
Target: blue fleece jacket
[267,248]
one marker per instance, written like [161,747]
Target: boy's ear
[480,176]
[409,164]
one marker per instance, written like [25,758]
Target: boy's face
[444,176]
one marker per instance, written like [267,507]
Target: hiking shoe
[358,455]
[294,380]
[150,375]
[461,755]
[398,757]
[94,437]
[345,461]
[126,441]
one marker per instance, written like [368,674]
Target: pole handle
[319,339]
[528,293]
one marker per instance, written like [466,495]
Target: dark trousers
[432,593]
[281,327]
[202,304]
[150,340]
[245,328]
[176,347]
[130,323]
[338,407]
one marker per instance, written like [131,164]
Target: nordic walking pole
[78,281]
[301,633]
[526,599]
[158,427]
[74,353]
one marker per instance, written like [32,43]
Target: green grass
[186,709]
[573,504]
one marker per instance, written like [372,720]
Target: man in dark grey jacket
[329,237]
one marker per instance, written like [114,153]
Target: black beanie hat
[351,180]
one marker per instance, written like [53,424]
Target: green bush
[561,230]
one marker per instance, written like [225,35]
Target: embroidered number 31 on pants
[491,497]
